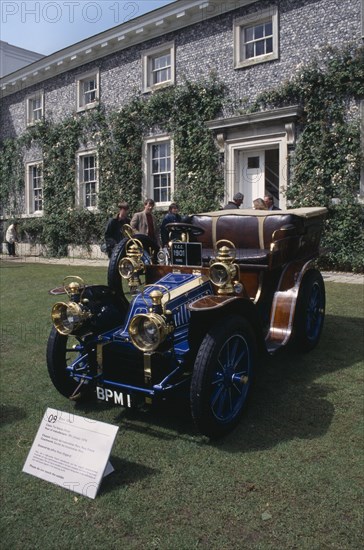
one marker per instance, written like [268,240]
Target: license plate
[114,396]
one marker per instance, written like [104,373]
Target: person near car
[113,232]
[259,204]
[146,223]
[11,237]
[269,201]
[172,216]
[237,201]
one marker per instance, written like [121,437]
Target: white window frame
[254,20]
[82,183]
[30,190]
[35,113]
[148,173]
[147,65]
[82,103]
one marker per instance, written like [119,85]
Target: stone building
[251,46]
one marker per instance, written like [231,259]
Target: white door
[251,176]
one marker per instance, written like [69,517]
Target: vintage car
[197,316]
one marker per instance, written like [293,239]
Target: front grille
[125,365]
[122,364]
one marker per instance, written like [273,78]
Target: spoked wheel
[63,351]
[222,376]
[114,279]
[310,312]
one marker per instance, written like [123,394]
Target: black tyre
[223,376]
[114,279]
[61,352]
[310,312]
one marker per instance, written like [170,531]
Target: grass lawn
[289,476]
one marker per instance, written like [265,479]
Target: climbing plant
[327,159]
[118,138]
[11,177]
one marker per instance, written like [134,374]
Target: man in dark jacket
[171,217]
[113,234]
[237,201]
[269,202]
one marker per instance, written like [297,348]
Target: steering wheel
[189,228]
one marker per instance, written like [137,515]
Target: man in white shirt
[11,237]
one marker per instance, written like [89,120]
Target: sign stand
[72,452]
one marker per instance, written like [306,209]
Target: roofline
[169,18]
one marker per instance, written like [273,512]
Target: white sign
[71,451]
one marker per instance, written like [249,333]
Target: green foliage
[197,166]
[327,159]
[118,140]
[31,230]
[11,178]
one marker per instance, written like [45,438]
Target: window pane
[249,51]
[259,48]
[249,34]
[90,190]
[253,162]
[259,30]
[156,195]
[268,29]
[88,178]
[36,188]
[165,195]
[35,109]
[160,68]
[161,62]
[89,90]
[257,40]
[160,176]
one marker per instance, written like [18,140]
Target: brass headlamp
[223,270]
[149,330]
[131,265]
[69,317]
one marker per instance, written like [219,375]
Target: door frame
[236,146]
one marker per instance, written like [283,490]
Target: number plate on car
[116,397]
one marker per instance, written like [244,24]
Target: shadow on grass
[9,414]
[288,400]
[125,473]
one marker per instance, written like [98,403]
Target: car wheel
[310,312]
[62,351]
[222,376]
[114,279]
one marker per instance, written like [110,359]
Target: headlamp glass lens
[126,268]
[66,317]
[147,331]
[219,274]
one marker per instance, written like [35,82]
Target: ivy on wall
[118,139]
[327,159]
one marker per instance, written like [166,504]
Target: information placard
[71,451]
